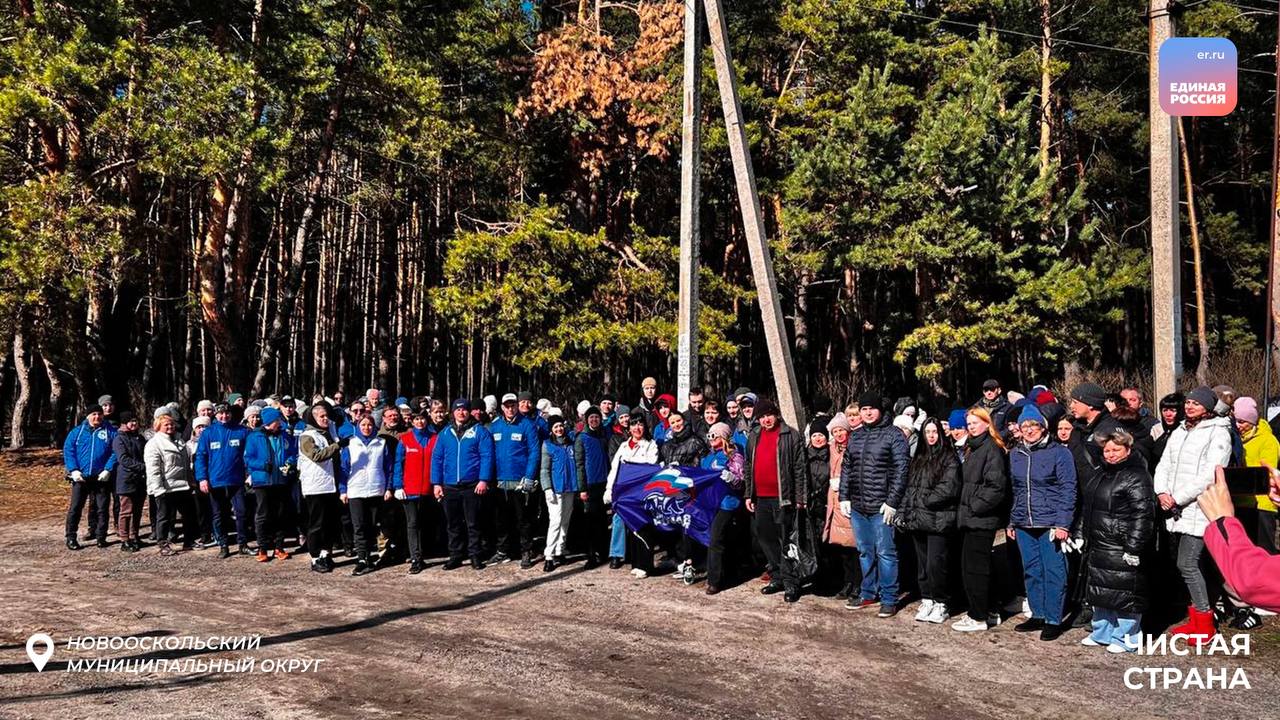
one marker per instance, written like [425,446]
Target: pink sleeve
[1249,570]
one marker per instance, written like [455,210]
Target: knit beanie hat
[1094,396]
[271,415]
[720,430]
[839,421]
[958,419]
[766,407]
[1204,397]
[1032,413]
[1247,410]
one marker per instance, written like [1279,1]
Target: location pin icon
[39,658]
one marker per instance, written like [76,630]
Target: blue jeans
[1116,628]
[1045,571]
[618,539]
[879,556]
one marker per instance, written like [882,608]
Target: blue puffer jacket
[220,455]
[875,469]
[462,455]
[539,422]
[265,453]
[591,456]
[558,472]
[1044,485]
[88,450]
[516,447]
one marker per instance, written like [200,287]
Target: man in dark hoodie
[873,479]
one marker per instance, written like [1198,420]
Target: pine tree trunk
[302,241]
[22,375]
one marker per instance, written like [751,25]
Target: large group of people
[1090,511]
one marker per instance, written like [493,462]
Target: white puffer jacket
[167,463]
[645,451]
[1187,468]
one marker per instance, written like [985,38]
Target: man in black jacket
[777,479]
[873,479]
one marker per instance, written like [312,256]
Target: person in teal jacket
[271,457]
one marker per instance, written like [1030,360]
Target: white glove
[726,476]
[552,498]
[1156,431]
[77,476]
[1071,545]
[608,498]
[284,469]
[526,484]
[1130,560]
[400,494]
[104,475]
[846,508]
[248,481]
[834,483]
[887,513]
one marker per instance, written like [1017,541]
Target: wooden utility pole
[775,329]
[1166,262]
[690,200]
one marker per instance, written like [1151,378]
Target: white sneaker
[1088,641]
[639,574]
[926,607]
[1117,648]
[1026,608]
[968,624]
[938,614]
[1263,613]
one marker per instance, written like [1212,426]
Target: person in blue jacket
[516,449]
[461,470]
[1043,475]
[88,460]
[592,462]
[221,474]
[271,456]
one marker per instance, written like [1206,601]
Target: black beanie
[871,399]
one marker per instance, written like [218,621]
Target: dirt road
[510,643]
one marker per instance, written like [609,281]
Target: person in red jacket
[1250,571]
[411,481]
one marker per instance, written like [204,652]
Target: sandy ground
[510,643]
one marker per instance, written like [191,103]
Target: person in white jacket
[1196,448]
[637,448]
[168,473]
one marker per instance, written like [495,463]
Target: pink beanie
[1246,409]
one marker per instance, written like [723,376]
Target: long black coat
[1117,517]
[933,491]
[984,493]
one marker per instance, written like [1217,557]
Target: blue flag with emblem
[674,498]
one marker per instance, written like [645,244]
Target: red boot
[1199,627]
[1188,627]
